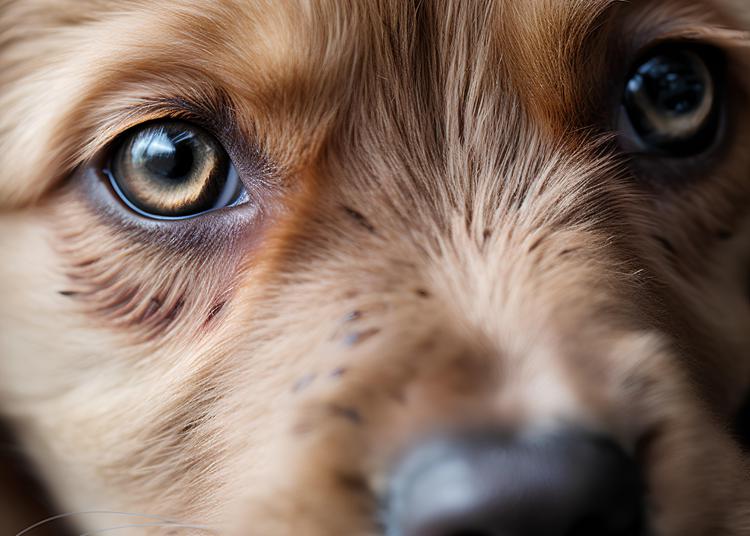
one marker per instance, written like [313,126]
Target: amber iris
[173,170]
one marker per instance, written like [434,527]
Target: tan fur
[446,239]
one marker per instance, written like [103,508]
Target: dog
[377,268]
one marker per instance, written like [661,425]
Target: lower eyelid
[209,231]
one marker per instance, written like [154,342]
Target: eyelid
[211,114]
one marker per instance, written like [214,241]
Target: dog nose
[564,484]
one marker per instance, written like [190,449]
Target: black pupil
[168,155]
[672,84]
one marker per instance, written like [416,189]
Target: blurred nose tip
[563,484]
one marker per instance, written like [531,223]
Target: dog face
[271,268]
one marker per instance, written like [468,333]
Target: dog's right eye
[672,100]
[171,170]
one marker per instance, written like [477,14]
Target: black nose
[565,484]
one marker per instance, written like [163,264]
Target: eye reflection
[171,158]
[672,101]
[173,170]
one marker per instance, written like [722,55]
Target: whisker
[162,525]
[92,512]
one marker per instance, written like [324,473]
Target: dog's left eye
[672,101]
[173,169]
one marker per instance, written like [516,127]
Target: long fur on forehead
[47,51]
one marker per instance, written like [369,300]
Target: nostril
[561,485]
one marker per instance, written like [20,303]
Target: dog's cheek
[155,390]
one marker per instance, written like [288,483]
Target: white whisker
[51,519]
[155,524]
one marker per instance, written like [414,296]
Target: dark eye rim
[109,152]
[716,62]
[741,426]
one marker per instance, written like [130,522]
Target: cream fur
[443,237]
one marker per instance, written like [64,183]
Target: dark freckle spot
[567,251]
[403,264]
[724,234]
[536,244]
[354,315]
[353,482]
[214,311]
[338,372]
[68,293]
[86,263]
[188,428]
[426,345]
[303,383]
[486,234]
[345,412]
[154,304]
[360,336]
[360,219]
[666,244]
[422,293]
[174,311]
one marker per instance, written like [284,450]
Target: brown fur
[447,237]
